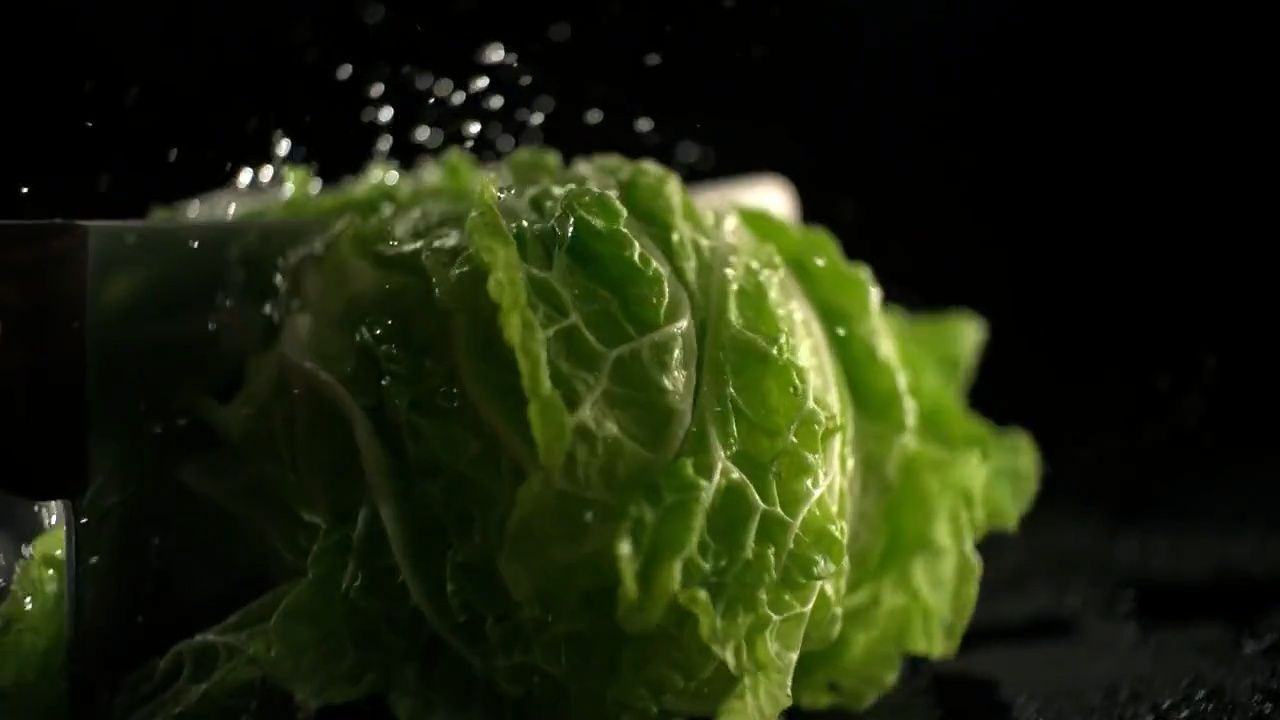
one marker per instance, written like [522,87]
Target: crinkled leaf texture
[550,433]
[33,632]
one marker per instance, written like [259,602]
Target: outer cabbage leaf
[933,475]
[33,632]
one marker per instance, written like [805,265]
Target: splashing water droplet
[314,185]
[391,178]
[28,602]
[492,53]
[643,124]
[244,177]
[559,32]
[376,90]
[493,102]
[283,146]
[442,87]
[457,98]
[478,83]
[448,396]
[536,118]
[344,71]
[385,113]
[688,152]
[383,144]
[374,13]
[421,133]
[471,128]
[593,116]
[265,173]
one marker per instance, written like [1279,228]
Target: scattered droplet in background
[344,71]
[593,116]
[687,152]
[374,13]
[643,124]
[492,54]
[559,32]
[442,87]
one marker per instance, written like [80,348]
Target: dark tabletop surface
[1056,171]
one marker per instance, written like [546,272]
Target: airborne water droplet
[493,53]
[448,397]
[559,32]
[442,87]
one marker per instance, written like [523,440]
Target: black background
[1072,174]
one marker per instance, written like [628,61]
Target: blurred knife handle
[43,272]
